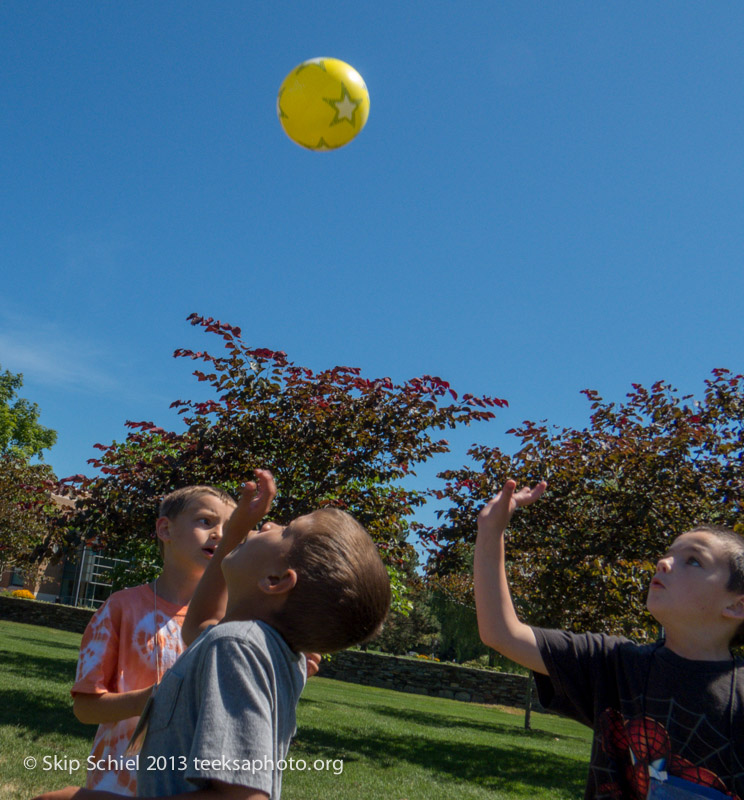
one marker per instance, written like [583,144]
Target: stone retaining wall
[37,612]
[416,676]
[420,676]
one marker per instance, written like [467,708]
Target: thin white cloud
[44,352]
[97,252]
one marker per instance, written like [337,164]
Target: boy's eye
[693,561]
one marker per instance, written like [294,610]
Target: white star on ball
[345,107]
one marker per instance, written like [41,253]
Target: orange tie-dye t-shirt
[125,647]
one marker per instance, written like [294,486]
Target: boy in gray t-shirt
[225,711]
[222,718]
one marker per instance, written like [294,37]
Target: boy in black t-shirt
[668,718]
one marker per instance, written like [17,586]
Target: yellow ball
[323,104]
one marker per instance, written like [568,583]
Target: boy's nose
[663,564]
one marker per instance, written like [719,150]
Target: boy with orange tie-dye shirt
[136,635]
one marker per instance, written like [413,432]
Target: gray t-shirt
[224,711]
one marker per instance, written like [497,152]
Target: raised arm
[207,606]
[498,624]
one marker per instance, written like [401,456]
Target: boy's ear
[162,529]
[735,610]
[278,584]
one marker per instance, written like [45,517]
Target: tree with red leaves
[619,490]
[331,437]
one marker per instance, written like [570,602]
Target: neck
[176,586]
[700,648]
[254,609]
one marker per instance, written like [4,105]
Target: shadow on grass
[39,640]
[446,719]
[40,714]
[434,720]
[23,666]
[491,766]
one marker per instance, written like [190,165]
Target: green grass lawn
[375,743]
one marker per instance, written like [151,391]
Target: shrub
[24,594]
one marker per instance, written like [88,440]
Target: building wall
[49,589]
[78,578]
[7,580]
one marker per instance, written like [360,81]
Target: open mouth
[657,584]
[208,551]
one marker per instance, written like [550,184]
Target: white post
[79,577]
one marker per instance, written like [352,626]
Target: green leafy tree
[415,630]
[619,490]
[331,437]
[453,604]
[29,535]
[140,562]
[30,519]
[21,433]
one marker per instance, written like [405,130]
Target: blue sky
[546,197]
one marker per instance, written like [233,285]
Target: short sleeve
[236,719]
[99,652]
[580,670]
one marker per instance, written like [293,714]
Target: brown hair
[342,595]
[175,503]
[734,544]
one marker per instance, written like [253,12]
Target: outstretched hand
[495,515]
[254,504]
[258,495]
[313,663]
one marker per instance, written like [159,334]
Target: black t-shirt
[653,712]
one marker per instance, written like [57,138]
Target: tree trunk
[35,575]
